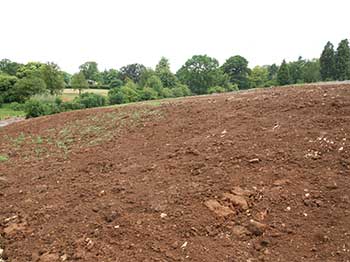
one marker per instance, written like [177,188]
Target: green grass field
[70,94]
[6,112]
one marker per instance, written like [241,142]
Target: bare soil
[252,176]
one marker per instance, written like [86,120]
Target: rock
[1,252]
[14,228]
[236,200]
[47,257]
[281,182]
[254,160]
[256,227]
[240,231]
[241,192]
[64,257]
[332,185]
[218,209]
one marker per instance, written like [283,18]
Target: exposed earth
[251,176]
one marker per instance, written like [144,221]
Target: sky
[115,33]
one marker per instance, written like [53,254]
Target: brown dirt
[172,182]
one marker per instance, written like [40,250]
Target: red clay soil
[252,176]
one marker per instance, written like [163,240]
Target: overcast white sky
[115,32]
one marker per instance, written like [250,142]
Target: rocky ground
[252,176]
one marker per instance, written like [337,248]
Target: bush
[216,89]
[115,96]
[35,108]
[16,106]
[148,93]
[89,100]
[166,93]
[71,105]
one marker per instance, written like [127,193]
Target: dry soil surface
[252,176]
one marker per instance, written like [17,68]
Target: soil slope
[251,176]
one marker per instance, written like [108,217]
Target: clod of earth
[218,209]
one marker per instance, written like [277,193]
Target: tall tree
[132,72]
[236,67]
[53,77]
[311,71]
[327,62]
[79,82]
[258,77]
[27,87]
[9,67]
[200,72]
[90,70]
[283,76]
[163,71]
[342,60]
[296,71]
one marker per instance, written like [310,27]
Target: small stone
[47,257]
[64,257]
[241,192]
[236,200]
[163,215]
[256,227]
[217,208]
[240,231]
[184,245]
[332,185]
[281,182]
[254,160]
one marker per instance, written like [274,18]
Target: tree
[258,77]
[132,72]
[109,76]
[199,73]
[90,70]
[296,71]
[311,71]
[27,87]
[9,67]
[7,83]
[53,78]
[79,82]
[273,70]
[327,62]
[342,60]
[155,83]
[236,67]
[164,73]
[283,76]
[31,69]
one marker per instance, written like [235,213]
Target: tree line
[201,74]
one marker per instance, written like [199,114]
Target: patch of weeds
[3,158]
[38,140]
[18,140]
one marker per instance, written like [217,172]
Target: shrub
[166,93]
[16,106]
[90,100]
[71,105]
[35,108]
[216,89]
[115,96]
[148,93]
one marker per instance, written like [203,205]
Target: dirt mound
[252,176]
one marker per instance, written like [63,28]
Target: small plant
[3,158]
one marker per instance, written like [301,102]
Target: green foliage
[236,67]
[16,106]
[90,71]
[89,100]
[27,87]
[125,94]
[216,89]
[166,93]
[9,67]
[342,60]
[283,76]
[181,90]
[311,71]
[327,63]
[53,77]
[116,83]
[155,83]
[35,107]
[148,93]
[110,78]
[258,77]
[164,73]
[3,158]
[199,73]
[31,69]
[7,83]
[132,72]
[79,82]
[296,71]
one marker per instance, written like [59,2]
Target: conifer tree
[327,62]
[283,75]
[342,60]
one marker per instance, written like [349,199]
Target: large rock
[236,200]
[256,227]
